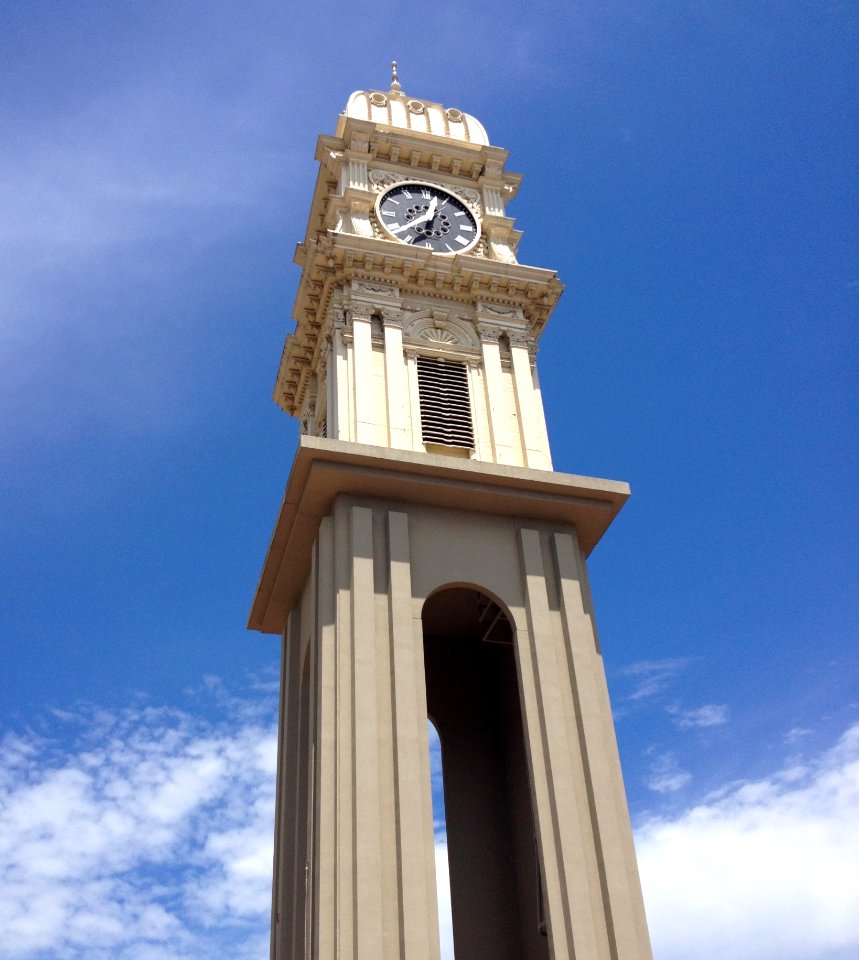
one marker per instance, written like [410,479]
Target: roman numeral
[463,240]
[407,194]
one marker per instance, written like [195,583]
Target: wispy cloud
[766,870]
[666,775]
[710,715]
[653,676]
[129,177]
[796,734]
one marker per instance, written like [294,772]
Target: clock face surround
[427,217]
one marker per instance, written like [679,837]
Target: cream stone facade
[427,562]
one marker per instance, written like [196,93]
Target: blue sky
[689,172]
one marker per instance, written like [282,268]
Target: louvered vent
[445,406]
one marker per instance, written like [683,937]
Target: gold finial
[395,80]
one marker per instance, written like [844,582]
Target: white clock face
[426,216]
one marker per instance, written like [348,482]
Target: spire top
[395,80]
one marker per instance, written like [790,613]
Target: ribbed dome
[396,109]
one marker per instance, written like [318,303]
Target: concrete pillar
[413,807]
[624,906]
[569,893]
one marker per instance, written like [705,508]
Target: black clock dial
[426,216]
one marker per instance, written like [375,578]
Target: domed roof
[395,109]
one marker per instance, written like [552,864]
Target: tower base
[389,574]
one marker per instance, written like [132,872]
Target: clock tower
[428,563]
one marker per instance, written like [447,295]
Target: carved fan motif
[438,336]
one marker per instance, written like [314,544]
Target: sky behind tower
[689,171]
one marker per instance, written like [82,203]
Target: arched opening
[473,700]
[439,827]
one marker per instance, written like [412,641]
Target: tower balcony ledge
[324,469]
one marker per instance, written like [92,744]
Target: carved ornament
[489,333]
[499,310]
[438,334]
[380,288]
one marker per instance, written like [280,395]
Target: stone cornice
[324,469]
[330,266]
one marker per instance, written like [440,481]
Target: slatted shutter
[445,404]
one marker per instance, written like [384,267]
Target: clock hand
[421,219]
[406,226]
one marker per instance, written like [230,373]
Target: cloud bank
[145,834]
[150,837]
[764,870]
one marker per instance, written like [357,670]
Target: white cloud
[445,919]
[150,837]
[765,870]
[710,715]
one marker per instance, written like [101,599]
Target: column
[572,902]
[366,851]
[496,401]
[396,382]
[325,859]
[535,453]
[288,893]
[623,902]
[362,376]
[415,849]
[340,397]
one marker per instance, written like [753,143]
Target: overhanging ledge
[322,469]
